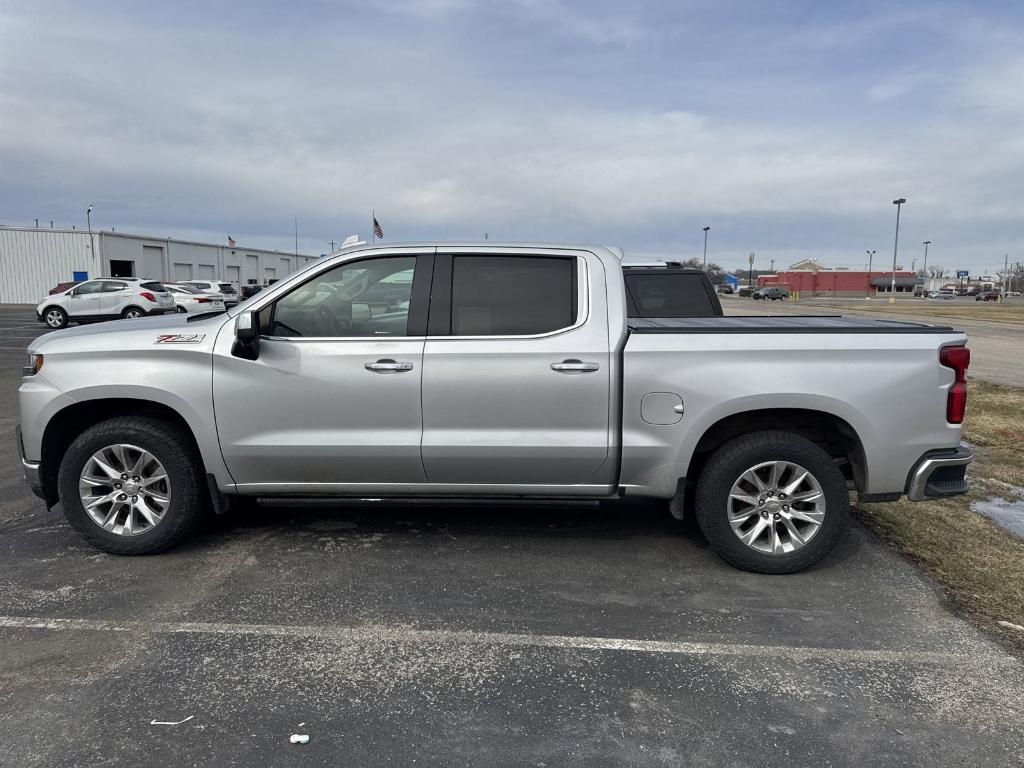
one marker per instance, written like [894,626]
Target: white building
[33,260]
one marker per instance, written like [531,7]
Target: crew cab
[490,370]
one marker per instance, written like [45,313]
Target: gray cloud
[526,120]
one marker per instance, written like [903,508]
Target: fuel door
[661,408]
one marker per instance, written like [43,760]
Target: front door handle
[574,366]
[388,366]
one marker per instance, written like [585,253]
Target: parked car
[215,286]
[661,290]
[191,300]
[494,371]
[61,287]
[987,296]
[942,295]
[772,293]
[105,298]
[745,291]
[249,290]
[726,288]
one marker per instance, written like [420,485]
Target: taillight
[148,296]
[203,300]
[957,358]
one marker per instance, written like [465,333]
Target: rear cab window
[656,292]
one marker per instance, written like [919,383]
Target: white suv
[215,286]
[105,298]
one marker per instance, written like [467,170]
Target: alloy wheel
[125,489]
[776,507]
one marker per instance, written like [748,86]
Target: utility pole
[706,248]
[750,273]
[895,247]
[332,246]
[1006,276]
[772,267]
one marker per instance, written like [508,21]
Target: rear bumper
[939,474]
[163,311]
[30,469]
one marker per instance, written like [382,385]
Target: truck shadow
[615,519]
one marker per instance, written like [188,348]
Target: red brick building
[810,277]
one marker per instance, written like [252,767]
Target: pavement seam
[403,634]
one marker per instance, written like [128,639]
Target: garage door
[206,272]
[153,262]
[182,272]
[233,275]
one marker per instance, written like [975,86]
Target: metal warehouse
[33,260]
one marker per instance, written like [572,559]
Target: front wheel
[132,485]
[132,313]
[772,502]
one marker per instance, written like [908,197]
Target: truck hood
[132,334]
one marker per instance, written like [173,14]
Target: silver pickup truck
[491,370]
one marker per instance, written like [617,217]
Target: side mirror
[247,336]
[247,327]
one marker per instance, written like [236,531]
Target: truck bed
[778,324]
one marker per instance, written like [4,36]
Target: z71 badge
[180,338]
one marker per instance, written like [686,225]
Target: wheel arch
[837,436]
[69,422]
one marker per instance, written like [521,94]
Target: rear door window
[154,287]
[669,294]
[512,295]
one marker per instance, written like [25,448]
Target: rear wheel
[772,502]
[181,310]
[132,312]
[55,317]
[132,485]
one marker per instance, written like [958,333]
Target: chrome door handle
[574,366]
[388,366]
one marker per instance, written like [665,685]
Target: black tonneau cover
[778,324]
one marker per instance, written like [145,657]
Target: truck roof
[483,245]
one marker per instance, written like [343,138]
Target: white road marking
[165,722]
[403,634]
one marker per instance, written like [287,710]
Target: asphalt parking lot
[475,634]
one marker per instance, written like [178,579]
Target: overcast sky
[787,127]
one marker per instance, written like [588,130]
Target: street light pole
[867,288]
[924,267]
[706,248]
[88,223]
[895,247]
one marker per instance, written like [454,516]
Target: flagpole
[373,232]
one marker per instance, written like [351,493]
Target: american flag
[231,243]
[377,230]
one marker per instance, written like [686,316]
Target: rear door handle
[574,366]
[388,366]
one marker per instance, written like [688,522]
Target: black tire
[172,446]
[57,312]
[129,313]
[730,461]
[181,310]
